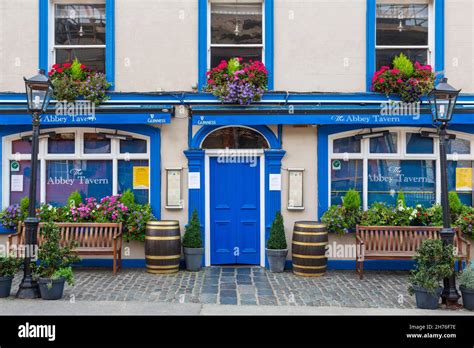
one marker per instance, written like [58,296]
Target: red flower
[59,70]
[395,71]
[83,66]
[381,80]
[66,65]
[50,73]
[55,66]
[399,80]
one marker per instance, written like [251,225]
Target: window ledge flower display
[236,82]
[409,81]
[74,81]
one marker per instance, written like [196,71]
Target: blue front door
[235,212]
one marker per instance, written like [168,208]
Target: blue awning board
[321,119]
[98,118]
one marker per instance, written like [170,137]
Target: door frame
[207,205]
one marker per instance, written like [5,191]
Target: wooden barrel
[162,246]
[310,239]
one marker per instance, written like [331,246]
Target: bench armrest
[117,235]
[461,241]
[11,236]
[359,240]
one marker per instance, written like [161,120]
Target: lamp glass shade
[442,102]
[38,92]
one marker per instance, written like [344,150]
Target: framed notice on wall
[295,189]
[173,188]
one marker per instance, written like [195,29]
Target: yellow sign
[463,179]
[141,178]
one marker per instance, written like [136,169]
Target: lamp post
[38,93]
[442,102]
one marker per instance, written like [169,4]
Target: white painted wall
[18,43]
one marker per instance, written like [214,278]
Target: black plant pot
[276,259]
[5,286]
[467,298]
[426,299]
[193,258]
[51,289]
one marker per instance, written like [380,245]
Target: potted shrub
[192,244]
[54,266]
[466,285]
[8,267]
[343,219]
[276,245]
[434,263]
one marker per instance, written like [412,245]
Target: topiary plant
[74,198]
[351,200]
[24,204]
[401,199]
[192,235]
[77,73]
[455,205]
[128,198]
[402,63]
[277,239]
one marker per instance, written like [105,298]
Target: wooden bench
[400,243]
[92,238]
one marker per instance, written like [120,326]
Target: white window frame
[52,25]
[401,154]
[431,33]
[78,154]
[211,45]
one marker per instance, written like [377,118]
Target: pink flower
[381,80]
[399,80]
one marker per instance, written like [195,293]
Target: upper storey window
[236,30]
[403,27]
[79,32]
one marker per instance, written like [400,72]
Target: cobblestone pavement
[243,286]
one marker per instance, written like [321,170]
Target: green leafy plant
[136,220]
[277,239]
[465,221]
[402,63]
[74,199]
[24,204]
[401,199]
[379,214]
[9,266]
[54,258]
[434,261]
[77,72]
[94,88]
[351,201]
[192,235]
[66,273]
[466,277]
[128,198]
[455,205]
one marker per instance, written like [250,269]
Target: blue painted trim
[202,43]
[264,130]
[110,42]
[109,38]
[43,7]
[269,40]
[272,198]
[439,35]
[370,42]
[203,38]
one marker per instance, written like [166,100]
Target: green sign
[14,166]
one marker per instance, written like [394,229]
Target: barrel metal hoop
[310,256]
[162,271]
[310,233]
[162,238]
[163,223]
[168,257]
[310,226]
[310,244]
[309,267]
[161,227]
[162,267]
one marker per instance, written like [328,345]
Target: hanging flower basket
[236,82]
[405,79]
[74,81]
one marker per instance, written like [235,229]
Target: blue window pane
[125,179]
[349,145]
[25,171]
[90,178]
[96,143]
[418,144]
[416,178]
[61,143]
[464,196]
[133,146]
[345,175]
[459,146]
[385,144]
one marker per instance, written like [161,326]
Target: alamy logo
[37,331]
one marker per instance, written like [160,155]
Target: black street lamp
[38,93]
[442,102]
